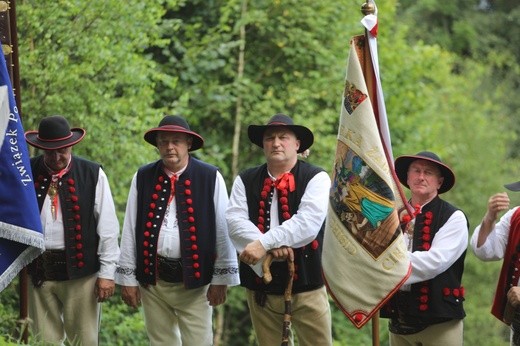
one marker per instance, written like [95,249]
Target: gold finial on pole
[368,8]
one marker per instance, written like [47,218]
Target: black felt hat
[53,133]
[174,123]
[513,186]
[402,163]
[304,135]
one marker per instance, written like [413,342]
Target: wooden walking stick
[509,313]
[287,294]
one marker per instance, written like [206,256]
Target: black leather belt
[405,324]
[170,269]
[51,265]
[52,256]
[398,327]
[54,265]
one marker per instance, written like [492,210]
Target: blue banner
[21,235]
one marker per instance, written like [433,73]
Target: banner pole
[15,77]
[368,72]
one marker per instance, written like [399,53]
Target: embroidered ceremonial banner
[364,256]
[21,236]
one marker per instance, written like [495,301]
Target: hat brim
[402,163]
[513,186]
[151,136]
[304,135]
[76,136]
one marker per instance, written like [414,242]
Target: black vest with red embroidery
[441,297]
[77,194]
[194,199]
[307,259]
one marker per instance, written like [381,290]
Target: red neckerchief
[173,179]
[285,181]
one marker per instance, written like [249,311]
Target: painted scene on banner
[363,202]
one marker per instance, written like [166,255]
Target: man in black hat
[428,308]
[280,207]
[176,255]
[492,241]
[81,238]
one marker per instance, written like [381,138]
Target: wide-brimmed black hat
[174,123]
[402,163]
[513,186]
[256,132]
[54,133]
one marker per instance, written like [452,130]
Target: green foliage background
[449,73]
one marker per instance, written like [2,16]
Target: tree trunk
[238,106]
